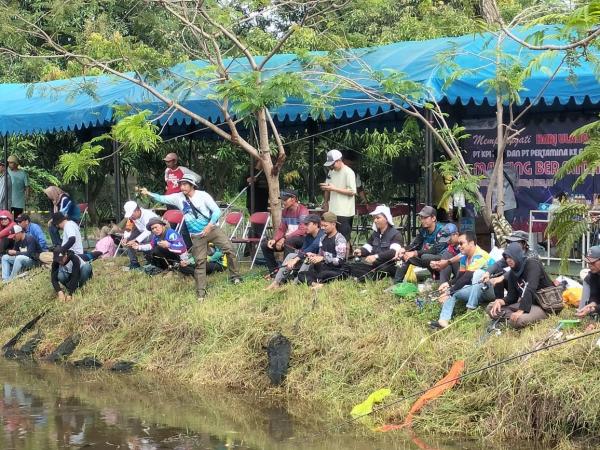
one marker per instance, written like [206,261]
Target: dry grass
[347,342]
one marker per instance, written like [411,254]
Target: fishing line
[465,375]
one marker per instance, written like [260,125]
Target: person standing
[201,215]
[174,172]
[5,188]
[20,186]
[339,191]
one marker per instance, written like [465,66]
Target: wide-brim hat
[154,221]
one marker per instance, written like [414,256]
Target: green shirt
[20,181]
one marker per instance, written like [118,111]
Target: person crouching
[329,263]
[68,271]
[166,247]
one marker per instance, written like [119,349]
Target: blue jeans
[13,265]
[469,294]
[85,273]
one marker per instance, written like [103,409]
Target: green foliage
[79,165]
[463,183]
[40,178]
[568,223]
[588,160]
[137,132]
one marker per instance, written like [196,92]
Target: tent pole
[428,163]
[117,172]
[6,175]
[311,164]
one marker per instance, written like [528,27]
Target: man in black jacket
[23,253]
[525,278]
[380,250]
[69,270]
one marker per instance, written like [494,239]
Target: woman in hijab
[525,278]
[61,202]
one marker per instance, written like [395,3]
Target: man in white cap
[201,215]
[140,234]
[173,173]
[378,254]
[21,255]
[339,190]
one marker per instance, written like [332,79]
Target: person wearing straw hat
[23,253]
[378,254]
[330,262]
[201,215]
[20,185]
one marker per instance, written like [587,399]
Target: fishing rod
[230,204]
[458,378]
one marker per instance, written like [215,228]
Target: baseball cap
[14,230]
[314,218]
[22,217]
[171,157]
[129,208]
[517,236]
[593,254]
[329,217]
[13,158]
[428,211]
[448,230]
[58,255]
[332,156]
[288,193]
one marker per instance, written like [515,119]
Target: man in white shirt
[71,234]
[140,234]
[339,191]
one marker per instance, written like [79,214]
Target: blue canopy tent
[86,102]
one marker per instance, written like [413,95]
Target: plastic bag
[411,276]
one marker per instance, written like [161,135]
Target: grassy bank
[347,341]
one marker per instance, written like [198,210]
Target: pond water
[45,406]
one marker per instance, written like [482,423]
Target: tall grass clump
[348,340]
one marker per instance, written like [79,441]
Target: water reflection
[52,407]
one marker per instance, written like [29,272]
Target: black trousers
[163,259]
[419,261]
[321,273]
[345,226]
[292,244]
[363,271]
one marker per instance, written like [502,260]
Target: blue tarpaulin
[85,102]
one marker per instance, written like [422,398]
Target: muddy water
[53,407]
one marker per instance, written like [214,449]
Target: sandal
[435,325]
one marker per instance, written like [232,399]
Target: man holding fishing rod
[290,234]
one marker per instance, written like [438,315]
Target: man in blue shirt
[32,229]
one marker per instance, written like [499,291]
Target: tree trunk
[490,11]
[267,164]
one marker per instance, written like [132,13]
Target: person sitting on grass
[590,297]
[293,261]
[465,286]
[525,278]
[32,229]
[165,249]
[22,254]
[329,263]
[290,234]
[449,266]
[201,215]
[61,202]
[70,271]
[139,234]
[6,224]
[427,246]
[380,250]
